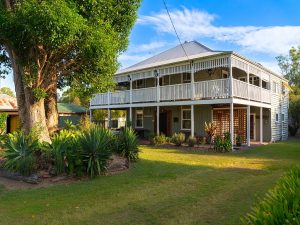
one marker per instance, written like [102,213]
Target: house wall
[279,104]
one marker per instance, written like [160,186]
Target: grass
[165,187]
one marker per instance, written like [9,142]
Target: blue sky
[257,29]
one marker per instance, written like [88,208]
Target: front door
[165,123]
[252,127]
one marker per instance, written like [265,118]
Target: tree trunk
[31,112]
[51,108]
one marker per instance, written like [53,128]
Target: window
[186,78]
[275,88]
[244,79]
[277,117]
[140,84]
[225,74]
[185,119]
[282,117]
[139,119]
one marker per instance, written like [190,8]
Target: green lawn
[164,187]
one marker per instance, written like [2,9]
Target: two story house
[180,89]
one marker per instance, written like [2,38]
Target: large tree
[55,43]
[290,66]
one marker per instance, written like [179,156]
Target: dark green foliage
[19,153]
[192,141]
[69,125]
[178,138]
[95,145]
[3,119]
[64,152]
[223,144]
[281,206]
[128,144]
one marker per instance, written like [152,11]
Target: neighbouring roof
[68,108]
[193,49]
[8,103]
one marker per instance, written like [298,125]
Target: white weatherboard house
[176,91]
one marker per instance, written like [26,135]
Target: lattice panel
[221,118]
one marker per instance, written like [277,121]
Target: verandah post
[261,125]
[248,125]
[231,104]
[192,121]
[157,120]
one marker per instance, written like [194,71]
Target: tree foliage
[58,43]
[294,111]
[290,66]
[7,91]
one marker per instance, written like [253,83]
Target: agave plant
[61,150]
[19,153]
[96,149]
[128,144]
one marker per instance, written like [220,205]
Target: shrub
[19,153]
[178,138]
[201,140]
[223,144]
[69,125]
[95,144]
[128,144]
[210,129]
[281,205]
[192,141]
[64,152]
[160,139]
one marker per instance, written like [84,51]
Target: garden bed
[44,178]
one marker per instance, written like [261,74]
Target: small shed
[69,111]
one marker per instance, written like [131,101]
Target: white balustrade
[240,89]
[175,92]
[120,97]
[212,89]
[144,95]
[254,92]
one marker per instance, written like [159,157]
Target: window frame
[136,118]
[182,119]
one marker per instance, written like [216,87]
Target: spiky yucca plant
[128,144]
[96,149]
[19,153]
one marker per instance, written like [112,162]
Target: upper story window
[186,119]
[275,87]
[186,78]
[140,83]
[282,117]
[244,79]
[139,119]
[277,117]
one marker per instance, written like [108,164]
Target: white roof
[192,50]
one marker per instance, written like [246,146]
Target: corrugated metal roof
[70,108]
[193,50]
[8,103]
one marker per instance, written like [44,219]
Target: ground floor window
[139,119]
[185,119]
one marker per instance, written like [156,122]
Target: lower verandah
[174,119]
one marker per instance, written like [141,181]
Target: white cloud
[192,24]
[137,53]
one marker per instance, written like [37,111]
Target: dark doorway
[163,128]
[165,122]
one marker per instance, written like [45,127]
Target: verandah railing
[211,89]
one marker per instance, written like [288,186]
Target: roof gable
[191,48]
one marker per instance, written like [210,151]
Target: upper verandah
[179,58]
